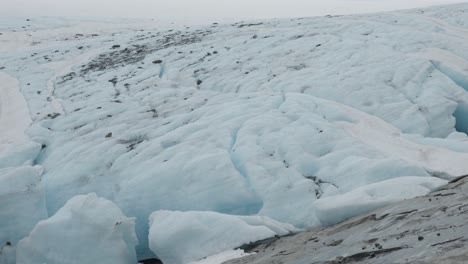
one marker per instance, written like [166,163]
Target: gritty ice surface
[262,118]
[87,229]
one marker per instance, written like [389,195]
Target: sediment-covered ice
[183,237]
[87,229]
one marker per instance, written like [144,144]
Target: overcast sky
[204,10]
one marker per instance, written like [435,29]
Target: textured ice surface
[87,229]
[254,118]
[22,194]
[182,237]
[22,205]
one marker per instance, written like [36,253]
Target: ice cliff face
[87,229]
[265,118]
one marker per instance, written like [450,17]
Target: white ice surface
[14,112]
[222,257]
[334,209]
[201,234]
[87,229]
[15,148]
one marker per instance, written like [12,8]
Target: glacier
[285,119]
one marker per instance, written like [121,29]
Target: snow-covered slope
[259,118]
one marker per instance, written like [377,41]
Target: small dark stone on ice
[38,92]
[113,81]
[438,234]
[157,62]
[8,243]
[199,82]
[318,45]
[420,238]
[109,135]
[43,146]
[80,47]
[115,46]
[28,84]
[53,116]
[150,261]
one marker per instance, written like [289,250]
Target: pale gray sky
[204,10]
